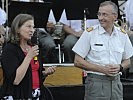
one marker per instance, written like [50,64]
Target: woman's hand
[33,51]
[49,70]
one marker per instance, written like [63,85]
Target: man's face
[106,16]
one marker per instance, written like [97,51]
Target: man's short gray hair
[115,7]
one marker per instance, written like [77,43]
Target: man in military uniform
[103,51]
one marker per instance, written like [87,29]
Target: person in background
[129,13]
[23,71]
[104,51]
[3,16]
[128,21]
[2,40]
[73,30]
[2,35]
[47,41]
[2,43]
[50,27]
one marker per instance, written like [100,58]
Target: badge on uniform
[123,31]
[89,29]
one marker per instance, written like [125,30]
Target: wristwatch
[121,68]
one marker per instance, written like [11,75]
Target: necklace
[24,48]
[27,49]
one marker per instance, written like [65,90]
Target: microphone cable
[49,93]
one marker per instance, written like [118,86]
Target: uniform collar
[114,30]
[102,30]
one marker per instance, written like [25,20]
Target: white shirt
[129,11]
[100,48]
[76,24]
[3,16]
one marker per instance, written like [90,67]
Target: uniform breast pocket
[98,51]
[118,52]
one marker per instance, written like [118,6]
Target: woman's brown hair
[18,21]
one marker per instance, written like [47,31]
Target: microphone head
[34,40]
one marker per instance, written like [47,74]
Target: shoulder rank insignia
[89,29]
[123,31]
[117,25]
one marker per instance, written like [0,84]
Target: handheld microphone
[34,41]
[35,60]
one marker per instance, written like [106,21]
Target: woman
[22,71]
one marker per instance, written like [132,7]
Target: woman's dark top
[12,57]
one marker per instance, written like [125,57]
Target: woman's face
[26,30]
